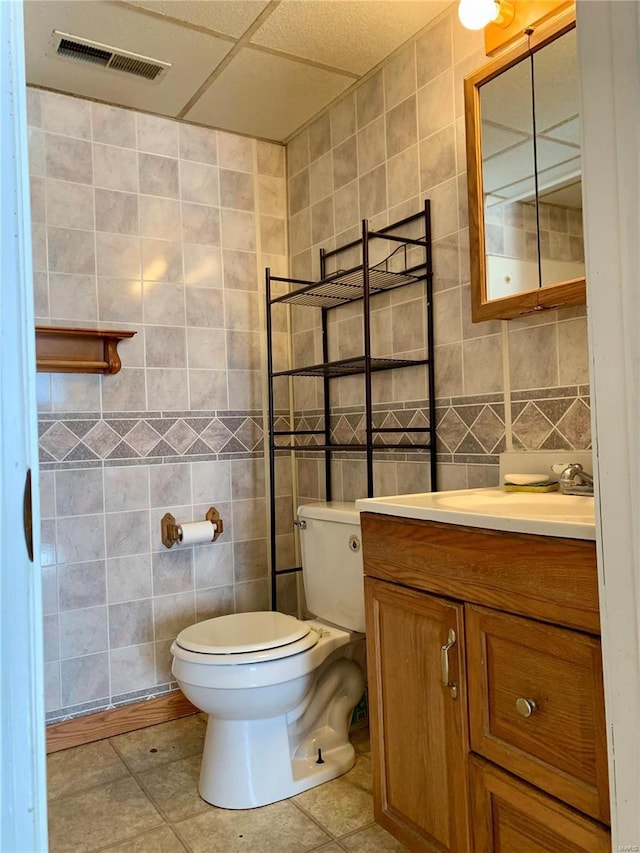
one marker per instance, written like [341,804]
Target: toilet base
[247,763]
[251,763]
[337,761]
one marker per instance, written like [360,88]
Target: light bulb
[476,14]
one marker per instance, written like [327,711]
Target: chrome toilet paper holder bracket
[171,530]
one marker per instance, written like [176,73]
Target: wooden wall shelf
[72,350]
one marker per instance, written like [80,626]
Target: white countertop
[546,514]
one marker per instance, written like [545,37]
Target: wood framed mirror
[522,116]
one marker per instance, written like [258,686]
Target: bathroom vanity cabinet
[485,685]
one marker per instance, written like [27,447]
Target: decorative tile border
[551,421]
[126,437]
[468,429]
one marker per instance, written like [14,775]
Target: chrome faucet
[573,479]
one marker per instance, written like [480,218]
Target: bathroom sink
[551,505]
[546,514]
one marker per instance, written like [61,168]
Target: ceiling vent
[111,58]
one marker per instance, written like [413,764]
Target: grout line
[224,63]
[353,832]
[293,460]
[506,382]
[80,791]
[145,834]
[160,809]
[176,829]
[126,840]
[261,293]
[312,818]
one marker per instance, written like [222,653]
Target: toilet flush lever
[301,525]
[444,664]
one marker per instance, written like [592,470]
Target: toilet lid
[239,633]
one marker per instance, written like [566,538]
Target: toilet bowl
[280,691]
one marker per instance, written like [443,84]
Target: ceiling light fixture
[476,14]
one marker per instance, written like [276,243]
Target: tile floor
[137,793]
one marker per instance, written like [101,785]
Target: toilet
[280,691]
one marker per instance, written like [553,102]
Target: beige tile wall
[143,223]
[162,228]
[397,139]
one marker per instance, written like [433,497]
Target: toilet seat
[247,638]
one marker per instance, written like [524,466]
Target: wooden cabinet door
[560,743]
[418,726]
[510,816]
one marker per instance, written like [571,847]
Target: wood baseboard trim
[117,721]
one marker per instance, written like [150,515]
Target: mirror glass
[557,115]
[509,183]
[525,193]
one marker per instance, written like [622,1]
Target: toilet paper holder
[171,530]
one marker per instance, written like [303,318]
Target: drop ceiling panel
[559,176]
[194,55]
[232,17]
[568,132]
[496,139]
[265,95]
[261,92]
[349,35]
[551,154]
[507,168]
[506,99]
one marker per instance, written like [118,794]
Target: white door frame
[23,825]
[609,51]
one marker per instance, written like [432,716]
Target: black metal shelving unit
[363,283]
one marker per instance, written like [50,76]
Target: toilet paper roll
[195,532]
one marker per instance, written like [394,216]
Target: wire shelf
[358,272]
[347,287]
[351,367]
[407,448]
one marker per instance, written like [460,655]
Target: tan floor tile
[279,828]
[159,841]
[174,788]
[90,820]
[82,767]
[156,745]
[373,839]
[343,805]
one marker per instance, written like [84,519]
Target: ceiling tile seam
[527,136]
[303,60]
[162,16]
[372,71]
[225,37]
[242,42]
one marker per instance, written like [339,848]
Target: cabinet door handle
[444,664]
[526,707]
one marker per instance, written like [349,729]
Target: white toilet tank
[332,567]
